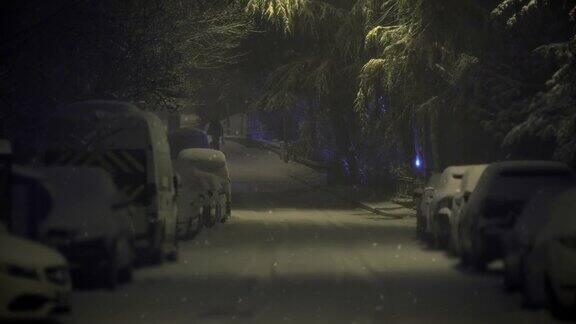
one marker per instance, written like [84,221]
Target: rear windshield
[519,185]
[128,168]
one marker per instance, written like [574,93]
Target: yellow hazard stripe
[75,160]
[62,158]
[137,192]
[118,162]
[104,163]
[135,163]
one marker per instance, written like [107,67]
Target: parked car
[132,146]
[459,202]
[89,223]
[425,203]
[30,201]
[205,194]
[438,223]
[34,280]
[5,179]
[499,197]
[541,252]
[185,138]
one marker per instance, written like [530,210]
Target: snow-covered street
[293,253]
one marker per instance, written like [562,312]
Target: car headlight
[19,271]
[58,275]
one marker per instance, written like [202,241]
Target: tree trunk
[434,139]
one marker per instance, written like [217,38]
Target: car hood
[22,252]
[445,193]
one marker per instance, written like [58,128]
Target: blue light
[418,162]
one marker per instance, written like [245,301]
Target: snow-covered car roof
[517,181]
[184,138]
[5,147]
[450,180]
[498,168]
[434,180]
[471,177]
[188,131]
[517,174]
[207,160]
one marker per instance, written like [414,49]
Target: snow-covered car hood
[81,221]
[207,160]
[82,200]
[22,252]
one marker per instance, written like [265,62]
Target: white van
[132,146]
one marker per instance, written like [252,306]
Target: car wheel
[156,254]
[560,311]
[208,219]
[440,233]
[222,215]
[126,273]
[420,230]
[197,228]
[512,277]
[111,275]
[218,214]
[453,247]
[212,216]
[477,259]
[189,232]
[172,255]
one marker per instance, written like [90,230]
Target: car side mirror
[176,181]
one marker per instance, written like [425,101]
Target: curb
[354,202]
[274,147]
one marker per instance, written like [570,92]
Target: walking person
[216,132]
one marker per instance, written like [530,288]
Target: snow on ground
[294,254]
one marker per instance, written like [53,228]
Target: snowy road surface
[294,254]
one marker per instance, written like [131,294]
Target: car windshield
[519,185]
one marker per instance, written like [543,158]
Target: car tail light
[569,242]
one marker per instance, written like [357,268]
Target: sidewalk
[364,197]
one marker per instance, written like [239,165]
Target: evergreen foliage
[433,77]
